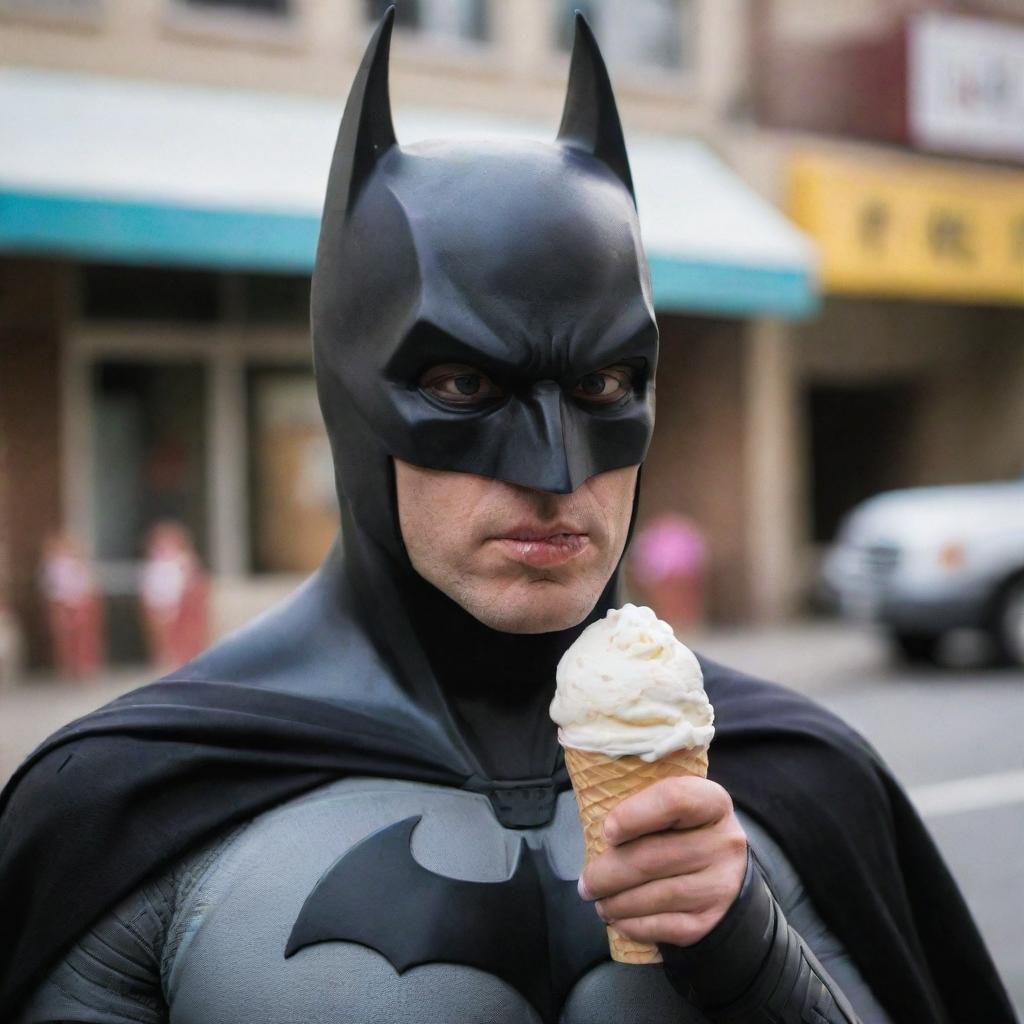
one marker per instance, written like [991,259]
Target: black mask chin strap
[492,688]
[499,685]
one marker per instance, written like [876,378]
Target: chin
[539,607]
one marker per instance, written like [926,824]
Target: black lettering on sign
[1017,240]
[949,236]
[873,223]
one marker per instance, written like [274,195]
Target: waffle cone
[600,783]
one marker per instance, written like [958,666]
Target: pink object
[668,546]
[74,608]
[669,563]
[175,596]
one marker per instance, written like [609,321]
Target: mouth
[542,547]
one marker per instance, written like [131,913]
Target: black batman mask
[520,262]
[520,259]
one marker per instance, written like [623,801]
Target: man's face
[517,559]
[485,310]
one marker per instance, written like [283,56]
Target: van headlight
[952,555]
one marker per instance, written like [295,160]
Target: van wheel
[1009,623]
[917,647]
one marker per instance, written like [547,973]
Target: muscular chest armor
[472,921]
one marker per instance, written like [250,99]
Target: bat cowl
[520,259]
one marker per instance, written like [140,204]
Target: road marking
[976,793]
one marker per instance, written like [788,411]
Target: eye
[459,384]
[603,387]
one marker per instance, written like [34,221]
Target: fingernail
[581,888]
[601,912]
[611,831]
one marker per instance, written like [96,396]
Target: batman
[356,808]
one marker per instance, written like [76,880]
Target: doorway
[860,440]
[149,445]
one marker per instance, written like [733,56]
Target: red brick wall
[31,306]
[856,87]
[696,462]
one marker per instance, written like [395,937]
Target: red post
[74,609]
[175,597]
[669,564]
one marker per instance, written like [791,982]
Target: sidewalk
[41,704]
[809,656]
[812,656]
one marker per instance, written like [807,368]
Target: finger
[681,894]
[678,803]
[675,929]
[660,855]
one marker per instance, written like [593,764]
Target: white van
[924,561]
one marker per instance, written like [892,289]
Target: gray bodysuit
[205,943]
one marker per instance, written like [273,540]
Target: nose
[547,461]
[550,467]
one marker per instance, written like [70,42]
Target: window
[150,444]
[466,20]
[272,299]
[263,22]
[73,10]
[291,472]
[271,7]
[149,293]
[641,34]
[114,292]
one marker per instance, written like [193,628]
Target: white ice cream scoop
[628,686]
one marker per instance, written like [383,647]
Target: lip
[542,546]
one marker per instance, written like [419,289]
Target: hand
[675,863]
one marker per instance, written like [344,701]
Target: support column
[227,470]
[774,487]
[696,463]
[32,316]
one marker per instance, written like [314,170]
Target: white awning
[110,169]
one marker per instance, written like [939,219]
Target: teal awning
[103,169]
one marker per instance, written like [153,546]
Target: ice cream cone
[600,783]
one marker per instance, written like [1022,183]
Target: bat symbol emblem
[532,930]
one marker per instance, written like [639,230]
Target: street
[956,744]
[952,737]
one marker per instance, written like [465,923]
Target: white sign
[966,85]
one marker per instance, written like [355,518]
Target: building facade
[904,164]
[158,222]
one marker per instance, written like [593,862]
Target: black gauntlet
[752,968]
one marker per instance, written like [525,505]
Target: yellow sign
[901,229]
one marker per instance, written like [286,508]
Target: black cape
[122,793]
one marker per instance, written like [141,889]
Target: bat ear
[590,119]
[366,131]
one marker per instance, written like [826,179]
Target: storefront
[182,350]
[913,372]
[206,416]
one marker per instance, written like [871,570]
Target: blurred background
[832,201]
